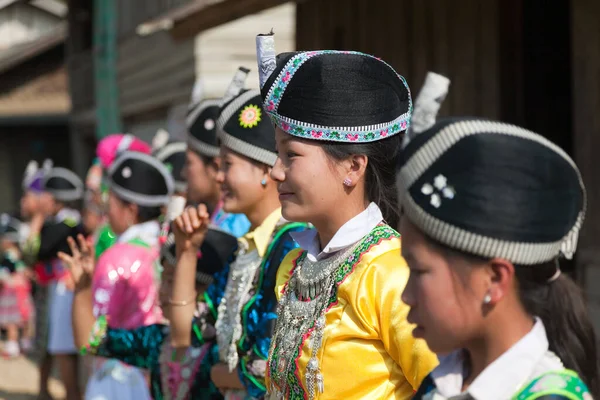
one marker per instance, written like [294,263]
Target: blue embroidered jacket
[259,313]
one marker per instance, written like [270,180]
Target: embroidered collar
[502,378]
[260,237]
[350,233]
[147,231]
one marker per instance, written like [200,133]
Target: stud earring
[264,182]
[347,182]
[487,299]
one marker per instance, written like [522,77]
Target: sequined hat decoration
[250,116]
[342,96]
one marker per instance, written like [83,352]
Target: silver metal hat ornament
[427,105]
[32,168]
[237,84]
[160,139]
[266,57]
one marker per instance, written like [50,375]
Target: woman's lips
[418,332]
[285,195]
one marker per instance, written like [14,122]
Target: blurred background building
[34,95]
[131,66]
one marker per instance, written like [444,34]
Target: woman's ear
[502,277]
[132,211]
[356,167]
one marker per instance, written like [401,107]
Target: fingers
[65,258]
[194,218]
[73,246]
[178,223]
[83,245]
[187,223]
[202,211]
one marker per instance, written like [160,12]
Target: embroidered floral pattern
[177,378]
[250,116]
[97,335]
[343,134]
[565,383]
[276,365]
[307,131]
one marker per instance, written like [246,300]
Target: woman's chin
[292,212]
[230,206]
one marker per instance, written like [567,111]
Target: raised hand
[80,262]
[190,228]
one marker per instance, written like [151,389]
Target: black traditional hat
[217,249]
[341,96]
[63,184]
[493,190]
[203,114]
[141,179]
[172,154]
[244,128]
[202,123]
[10,228]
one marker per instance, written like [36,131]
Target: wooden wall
[585,15]
[416,36]
[221,50]
[154,72]
[133,13]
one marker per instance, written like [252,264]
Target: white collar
[66,213]
[503,377]
[146,231]
[350,233]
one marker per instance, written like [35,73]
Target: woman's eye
[291,154]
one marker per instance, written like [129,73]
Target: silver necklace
[301,311]
[229,321]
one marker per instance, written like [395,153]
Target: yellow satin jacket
[368,351]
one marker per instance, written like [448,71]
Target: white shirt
[524,361]
[147,231]
[349,233]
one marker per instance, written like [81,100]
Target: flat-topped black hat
[172,154]
[141,179]
[244,127]
[492,189]
[341,96]
[63,184]
[10,228]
